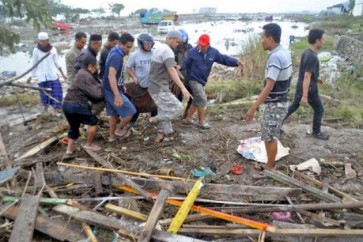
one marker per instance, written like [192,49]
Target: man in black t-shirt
[307,85]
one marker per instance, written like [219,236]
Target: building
[358,8]
[338,9]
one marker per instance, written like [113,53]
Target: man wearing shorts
[198,65]
[117,104]
[274,95]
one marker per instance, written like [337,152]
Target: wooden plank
[305,232]
[190,218]
[87,229]
[55,228]
[154,216]
[234,192]
[122,177]
[25,221]
[97,183]
[126,212]
[281,177]
[128,229]
[4,153]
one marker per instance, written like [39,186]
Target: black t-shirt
[309,62]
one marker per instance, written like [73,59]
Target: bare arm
[261,99]
[306,85]
[113,84]
[175,77]
[131,73]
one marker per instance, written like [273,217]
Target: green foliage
[26,98]
[116,8]
[254,58]
[35,11]
[341,24]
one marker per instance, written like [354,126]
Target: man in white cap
[163,68]
[46,73]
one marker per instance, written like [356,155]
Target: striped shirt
[279,69]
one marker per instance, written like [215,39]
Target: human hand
[186,94]
[249,115]
[303,101]
[118,101]
[320,81]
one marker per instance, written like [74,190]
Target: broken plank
[40,146]
[24,223]
[154,216]
[126,212]
[281,177]
[129,182]
[190,218]
[97,219]
[55,228]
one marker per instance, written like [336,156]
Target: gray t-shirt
[140,62]
[159,77]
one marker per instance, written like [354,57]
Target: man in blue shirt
[198,65]
[117,104]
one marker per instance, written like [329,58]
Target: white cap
[43,36]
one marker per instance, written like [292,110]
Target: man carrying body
[112,41]
[73,53]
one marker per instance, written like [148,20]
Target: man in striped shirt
[274,95]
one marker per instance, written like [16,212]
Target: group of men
[155,68]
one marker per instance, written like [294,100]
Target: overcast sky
[223,6]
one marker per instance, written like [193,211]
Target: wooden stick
[4,153]
[87,229]
[129,182]
[213,213]
[131,173]
[126,212]
[154,216]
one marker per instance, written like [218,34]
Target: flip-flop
[126,134]
[93,148]
[161,137]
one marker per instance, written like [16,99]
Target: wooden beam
[126,212]
[154,216]
[122,177]
[25,220]
[128,229]
[281,177]
[190,218]
[55,228]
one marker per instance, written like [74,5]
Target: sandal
[188,122]
[204,125]
[92,147]
[125,133]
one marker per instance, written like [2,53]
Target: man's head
[145,42]
[113,39]
[203,42]
[271,36]
[95,42]
[126,42]
[89,64]
[173,39]
[315,38]
[80,40]
[43,39]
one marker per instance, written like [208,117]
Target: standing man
[94,46]
[138,66]
[73,53]
[46,72]
[307,84]
[117,104]
[112,41]
[163,68]
[198,64]
[274,95]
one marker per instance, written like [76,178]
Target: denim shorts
[127,108]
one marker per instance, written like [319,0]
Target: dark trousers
[316,104]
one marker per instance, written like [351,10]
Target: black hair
[273,30]
[80,35]
[314,35]
[126,37]
[89,60]
[113,36]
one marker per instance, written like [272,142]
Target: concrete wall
[358,8]
[349,48]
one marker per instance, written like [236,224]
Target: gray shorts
[198,92]
[273,115]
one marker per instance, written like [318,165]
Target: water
[226,36]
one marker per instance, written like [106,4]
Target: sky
[223,6]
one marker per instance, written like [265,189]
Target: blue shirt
[115,59]
[199,65]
